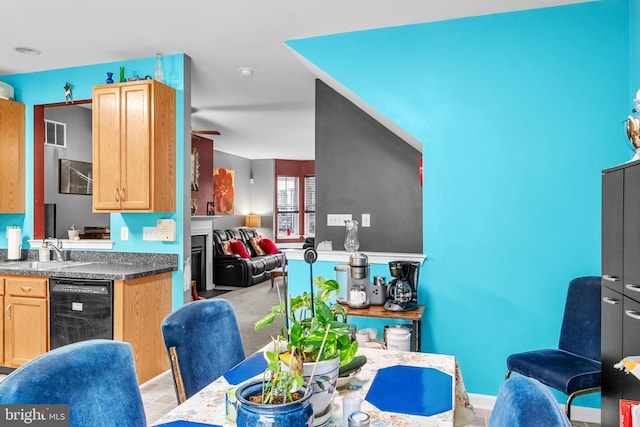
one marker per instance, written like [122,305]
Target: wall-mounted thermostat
[166,230]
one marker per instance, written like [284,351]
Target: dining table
[396,388]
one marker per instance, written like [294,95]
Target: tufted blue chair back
[580,332]
[203,341]
[96,378]
[525,402]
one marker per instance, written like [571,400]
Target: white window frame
[56,126]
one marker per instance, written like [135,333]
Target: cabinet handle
[634,288]
[611,301]
[115,194]
[122,194]
[633,314]
[9,311]
[26,288]
[610,278]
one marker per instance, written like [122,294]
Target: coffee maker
[402,292]
[358,280]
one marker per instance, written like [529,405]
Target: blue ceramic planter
[291,414]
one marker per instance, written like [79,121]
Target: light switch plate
[337,220]
[149,233]
[124,233]
[366,220]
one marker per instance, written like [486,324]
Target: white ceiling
[269,115]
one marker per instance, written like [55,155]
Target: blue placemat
[246,369]
[180,423]
[411,390]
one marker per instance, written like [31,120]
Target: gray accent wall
[362,167]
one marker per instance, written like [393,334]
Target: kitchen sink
[40,265]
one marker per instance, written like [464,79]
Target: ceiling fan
[204,132]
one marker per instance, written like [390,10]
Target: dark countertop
[93,265]
[93,270]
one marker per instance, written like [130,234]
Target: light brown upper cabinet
[134,147]
[12,161]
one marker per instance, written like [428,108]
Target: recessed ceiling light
[27,51]
[245,71]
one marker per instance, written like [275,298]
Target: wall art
[223,190]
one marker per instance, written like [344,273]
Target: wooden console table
[378,311]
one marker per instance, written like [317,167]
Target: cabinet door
[25,329]
[630,346]
[106,148]
[12,161]
[611,388]
[135,173]
[632,232]
[612,232]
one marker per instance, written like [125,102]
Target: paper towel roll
[14,240]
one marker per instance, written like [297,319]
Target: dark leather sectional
[233,270]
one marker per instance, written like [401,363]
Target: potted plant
[317,341]
[280,398]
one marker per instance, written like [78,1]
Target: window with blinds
[55,134]
[295,201]
[309,205]
[288,206]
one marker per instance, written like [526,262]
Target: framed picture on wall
[75,177]
[223,190]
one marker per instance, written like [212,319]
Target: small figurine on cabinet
[67,93]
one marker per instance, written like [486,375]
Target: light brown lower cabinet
[26,319]
[139,305]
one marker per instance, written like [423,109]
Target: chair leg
[567,406]
[194,292]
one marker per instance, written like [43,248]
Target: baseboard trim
[578,413]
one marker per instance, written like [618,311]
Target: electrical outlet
[337,220]
[124,233]
[149,233]
[366,220]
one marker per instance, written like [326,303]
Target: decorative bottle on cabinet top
[158,73]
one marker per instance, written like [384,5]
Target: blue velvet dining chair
[203,342]
[525,402]
[574,367]
[96,378]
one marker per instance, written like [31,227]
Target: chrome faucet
[57,249]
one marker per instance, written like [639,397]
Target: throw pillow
[255,244]
[226,246]
[268,246]
[238,248]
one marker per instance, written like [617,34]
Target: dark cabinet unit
[611,386]
[621,285]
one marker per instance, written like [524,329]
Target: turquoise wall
[518,114]
[47,87]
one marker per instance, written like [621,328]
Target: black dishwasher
[80,309]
